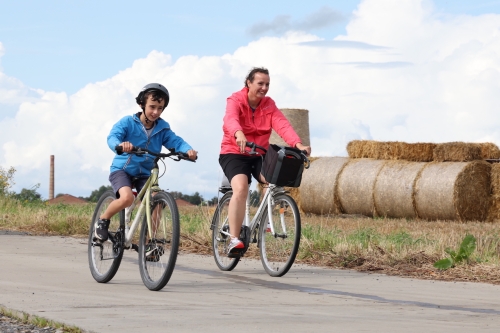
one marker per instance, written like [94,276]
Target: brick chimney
[51,182]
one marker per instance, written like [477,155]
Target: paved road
[49,277]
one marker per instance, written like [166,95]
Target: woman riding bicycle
[250,116]
[143,129]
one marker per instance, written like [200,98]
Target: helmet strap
[146,117]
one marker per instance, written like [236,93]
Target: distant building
[182,202]
[66,199]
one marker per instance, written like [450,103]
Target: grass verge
[27,319]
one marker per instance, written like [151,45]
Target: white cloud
[321,18]
[401,72]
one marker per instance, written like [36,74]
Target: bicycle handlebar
[142,151]
[254,146]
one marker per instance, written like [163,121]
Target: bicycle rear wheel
[278,250]
[105,257]
[158,253]
[220,241]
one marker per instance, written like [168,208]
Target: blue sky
[409,70]
[63,45]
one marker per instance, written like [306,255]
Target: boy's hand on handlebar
[192,154]
[127,146]
[300,146]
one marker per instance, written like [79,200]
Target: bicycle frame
[144,205]
[266,201]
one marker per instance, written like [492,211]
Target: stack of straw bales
[423,152]
[448,181]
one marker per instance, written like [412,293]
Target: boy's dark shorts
[120,178]
[236,164]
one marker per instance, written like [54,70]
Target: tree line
[31,194]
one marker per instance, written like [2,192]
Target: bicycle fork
[270,204]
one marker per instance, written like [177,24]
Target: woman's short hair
[251,75]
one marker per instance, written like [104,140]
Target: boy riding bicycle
[143,129]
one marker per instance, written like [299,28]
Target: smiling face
[154,108]
[259,87]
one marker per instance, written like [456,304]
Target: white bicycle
[275,228]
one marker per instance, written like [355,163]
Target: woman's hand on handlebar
[241,140]
[307,149]
[127,146]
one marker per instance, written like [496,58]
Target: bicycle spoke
[105,257]
[278,250]
[220,239]
[159,246]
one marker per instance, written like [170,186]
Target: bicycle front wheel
[158,247]
[278,250]
[220,240]
[105,257]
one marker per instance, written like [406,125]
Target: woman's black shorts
[236,164]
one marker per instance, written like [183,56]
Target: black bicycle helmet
[152,86]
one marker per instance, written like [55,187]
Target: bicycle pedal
[97,241]
[237,253]
[135,247]
[234,255]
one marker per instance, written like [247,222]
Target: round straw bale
[355,186]
[394,188]
[495,179]
[391,150]
[489,150]
[457,152]
[494,213]
[318,188]
[356,149]
[453,191]
[418,152]
[299,119]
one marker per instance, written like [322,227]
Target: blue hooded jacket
[130,129]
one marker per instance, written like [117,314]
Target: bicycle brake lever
[252,147]
[307,161]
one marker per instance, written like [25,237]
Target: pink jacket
[255,125]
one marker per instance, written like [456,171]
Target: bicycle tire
[220,241]
[105,257]
[278,250]
[157,256]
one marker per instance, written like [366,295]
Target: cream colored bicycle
[156,211]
